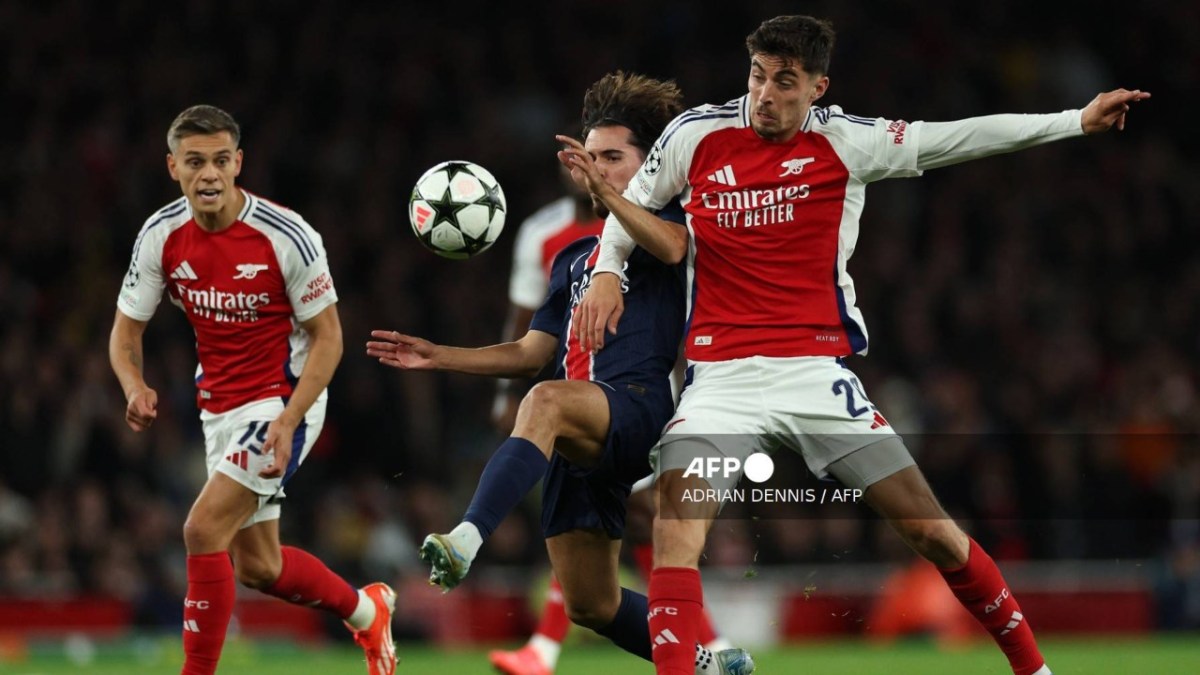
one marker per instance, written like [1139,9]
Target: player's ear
[237,163]
[819,88]
[171,169]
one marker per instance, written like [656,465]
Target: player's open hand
[279,446]
[402,351]
[599,310]
[1109,108]
[141,409]
[582,166]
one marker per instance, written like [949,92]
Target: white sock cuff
[546,648]
[467,539]
[364,614]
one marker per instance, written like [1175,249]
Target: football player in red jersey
[773,186]
[253,280]
[539,239]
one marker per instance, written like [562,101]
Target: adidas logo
[239,459]
[1016,621]
[665,637]
[190,626]
[724,176]
[184,271]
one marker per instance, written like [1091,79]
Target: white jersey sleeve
[946,143]
[305,267]
[615,247]
[871,148]
[142,288]
[878,148]
[527,282]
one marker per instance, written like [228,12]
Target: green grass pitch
[1178,655]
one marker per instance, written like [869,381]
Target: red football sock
[304,580]
[206,611]
[554,622]
[643,555]
[676,603]
[980,588]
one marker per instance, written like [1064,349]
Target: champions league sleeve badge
[132,277]
[654,160]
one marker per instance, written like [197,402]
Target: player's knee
[678,541]
[934,539]
[540,403]
[593,612]
[200,537]
[256,572]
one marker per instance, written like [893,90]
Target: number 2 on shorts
[851,387]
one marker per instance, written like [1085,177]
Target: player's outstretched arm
[663,239]
[945,143]
[522,358]
[1109,108]
[125,355]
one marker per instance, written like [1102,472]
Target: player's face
[206,165]
[615,156]
[781,93]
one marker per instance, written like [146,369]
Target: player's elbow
[675,255]
[531,366]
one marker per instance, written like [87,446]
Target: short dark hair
[803,38]
[642,104]
[202,120]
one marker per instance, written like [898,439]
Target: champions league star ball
[457,209]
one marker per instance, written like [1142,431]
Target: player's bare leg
[586,562]
[589,595]
[638,536]
[676,599]
[570,416]
[294,575]
[216,515]
[909,505]
[907,502]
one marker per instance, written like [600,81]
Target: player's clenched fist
[141,409]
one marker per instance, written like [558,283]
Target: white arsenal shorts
[812,404]
[233,446]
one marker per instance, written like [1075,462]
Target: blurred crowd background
[1037,314]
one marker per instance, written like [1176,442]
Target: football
[457,209]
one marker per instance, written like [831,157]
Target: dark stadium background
[1053,295]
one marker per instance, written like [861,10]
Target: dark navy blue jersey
[644,350]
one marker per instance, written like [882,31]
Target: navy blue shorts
[575,498]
